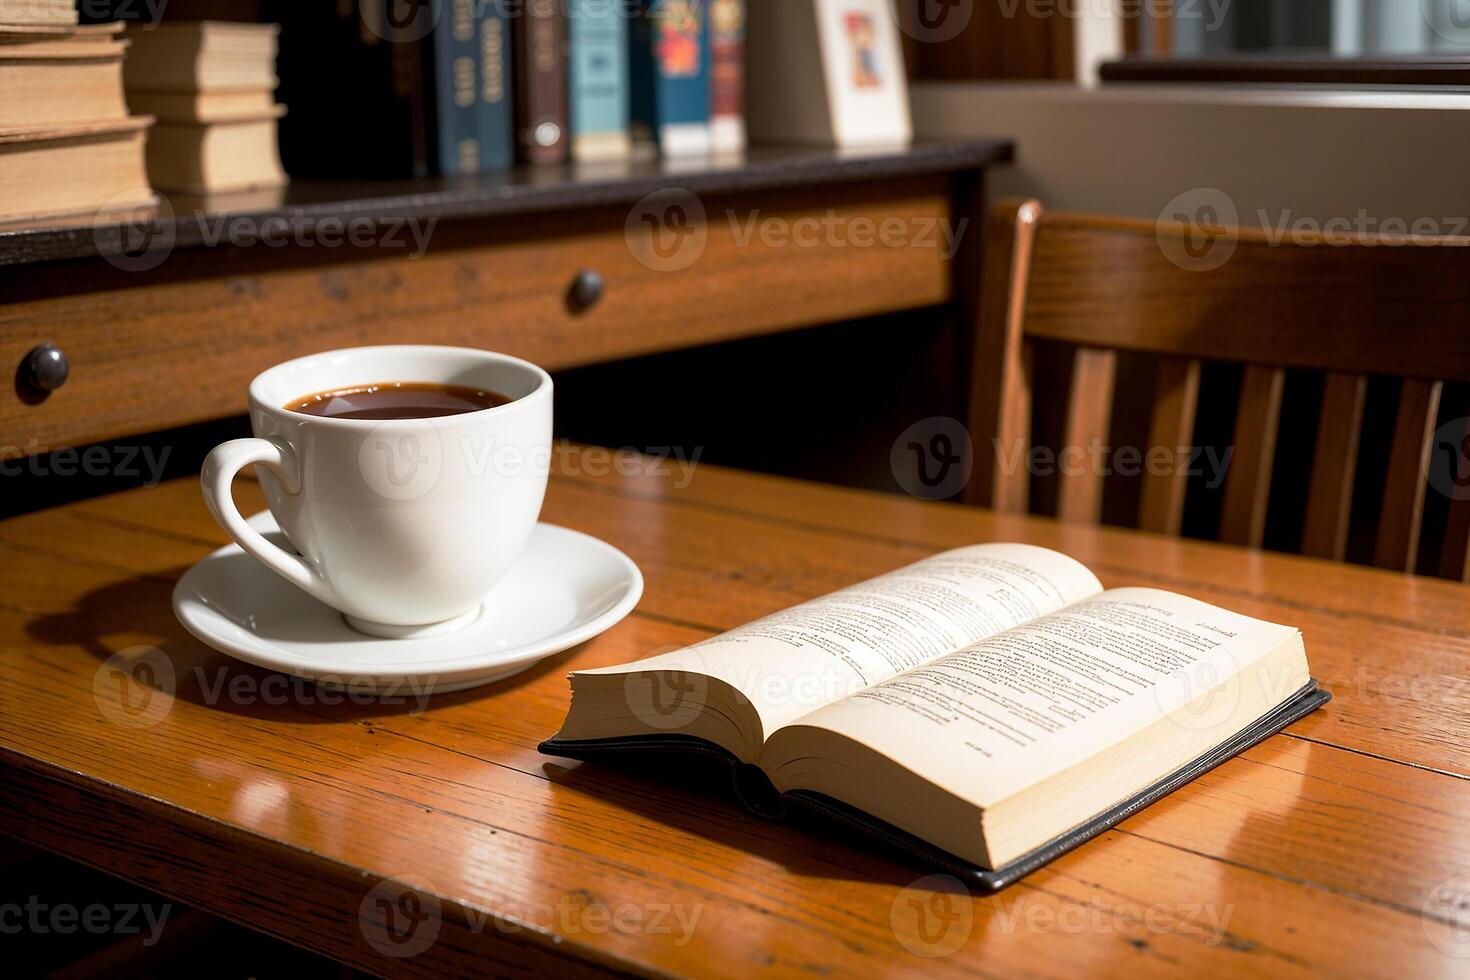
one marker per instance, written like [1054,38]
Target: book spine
[410,59]
[598,57]
[496,118]
[352,91]
[454,69]
[670,70]
[541,82]
[727,75]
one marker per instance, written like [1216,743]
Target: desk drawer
[178,345]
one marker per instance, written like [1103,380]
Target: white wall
[1132,149]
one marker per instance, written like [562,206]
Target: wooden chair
[1104,285]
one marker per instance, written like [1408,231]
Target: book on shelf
[496,106]
[376,96]
[984,710]
[599,87]
[202,56]
[90,169]
[205,107]
[68,148]
[352,102]
[541,82]
[669,70]
[727,75]
[211,85]
[453,83]
[56,81]
[216,157]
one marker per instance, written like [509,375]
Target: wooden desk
[1340,847]
[191,304]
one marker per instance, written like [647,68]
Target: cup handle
[216,478]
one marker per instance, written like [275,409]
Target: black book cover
[353,80]
[757,794]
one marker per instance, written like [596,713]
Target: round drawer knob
[46,368]
[586,290]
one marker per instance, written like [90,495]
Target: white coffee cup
[403,525]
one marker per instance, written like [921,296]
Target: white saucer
[566,588]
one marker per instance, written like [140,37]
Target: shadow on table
[129,626]
[696,796]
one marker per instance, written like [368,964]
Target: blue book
[454,78]
[599,80]
[669,69]
[496,104]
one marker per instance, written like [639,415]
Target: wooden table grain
[1341,847]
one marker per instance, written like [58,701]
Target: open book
[989,707]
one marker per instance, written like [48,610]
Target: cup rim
[543,388]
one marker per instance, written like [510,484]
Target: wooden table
[1340,847]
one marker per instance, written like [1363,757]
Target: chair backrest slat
[1248,484]
[1454,556]
[1408,469]
[1000,396]
[1089,414]
[1176,404]
[1335,466]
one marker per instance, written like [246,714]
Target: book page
[1022,705]
[810,655]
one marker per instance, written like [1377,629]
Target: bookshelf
[183,222]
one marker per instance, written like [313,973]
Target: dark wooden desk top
[1341,847]
[186,222]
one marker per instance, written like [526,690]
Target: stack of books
[211,85]
[67,143]
[466,87]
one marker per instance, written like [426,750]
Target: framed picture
[828,72]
